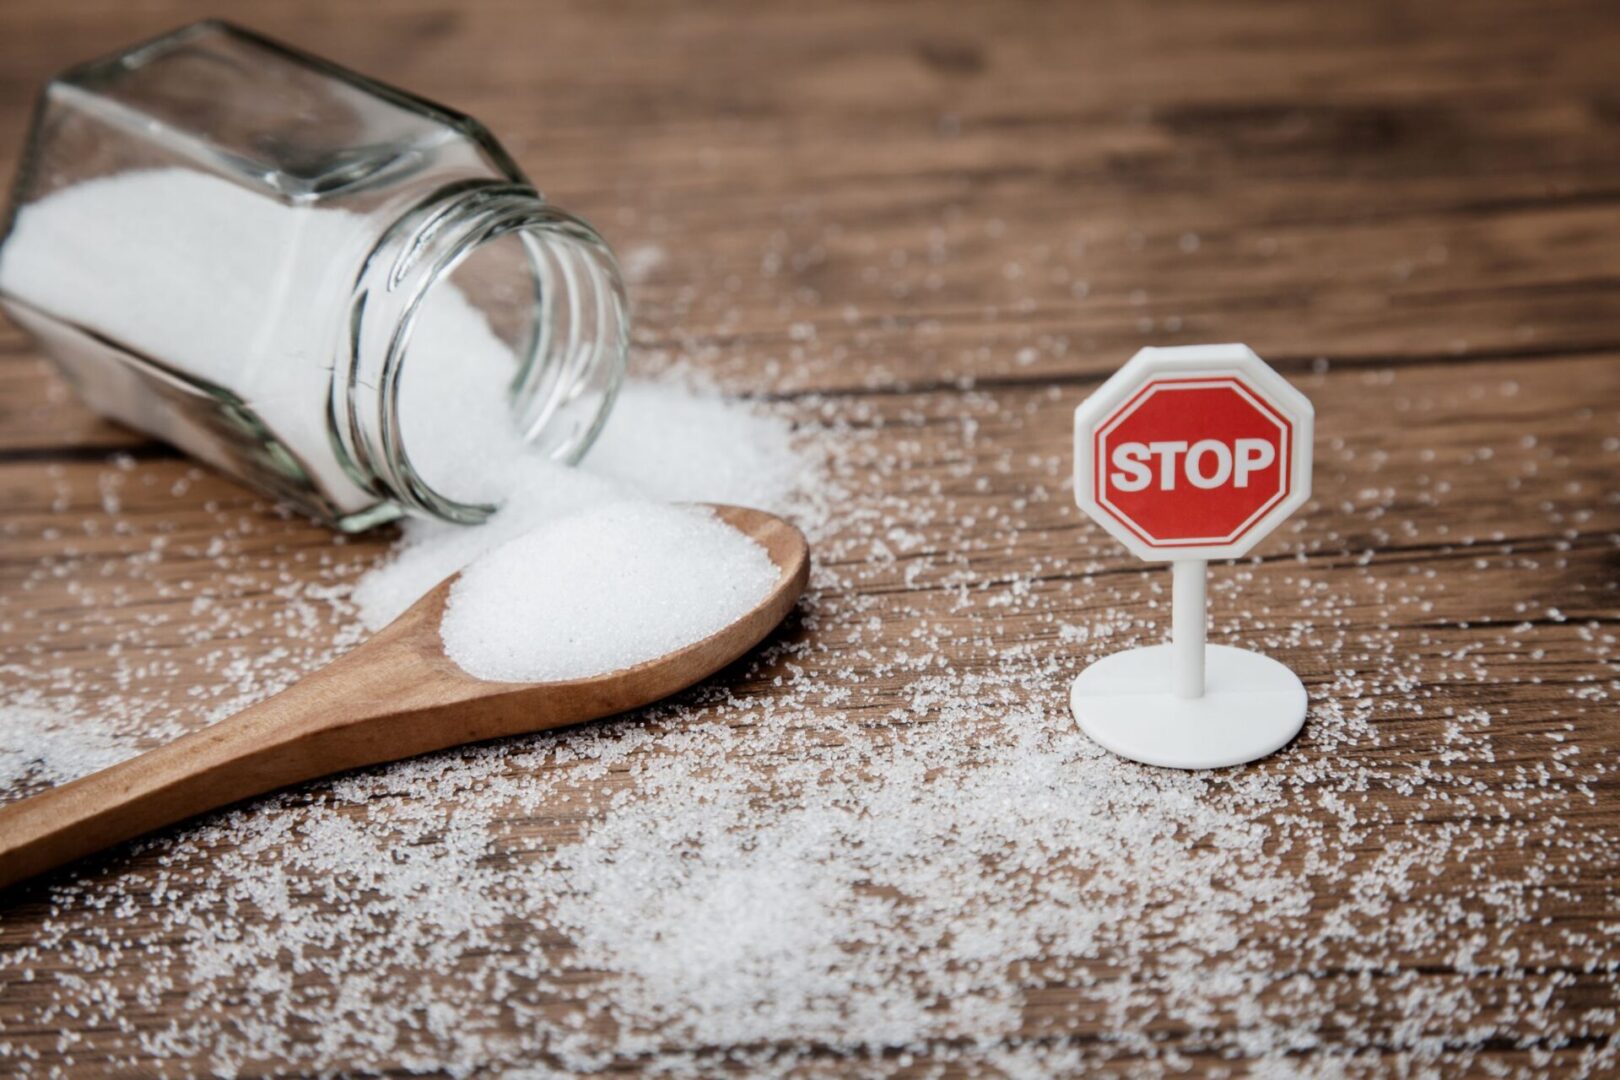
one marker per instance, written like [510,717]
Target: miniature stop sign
[1193,452]
[1185,455]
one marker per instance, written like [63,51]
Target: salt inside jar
[342,294]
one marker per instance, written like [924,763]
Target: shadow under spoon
[395,696]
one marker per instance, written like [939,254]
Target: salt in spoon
[395,696]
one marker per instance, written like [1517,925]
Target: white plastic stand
[1188,705]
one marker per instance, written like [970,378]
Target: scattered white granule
[602,590]
[641,262]
[881,846]
[40,745]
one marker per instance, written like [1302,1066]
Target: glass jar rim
[420,252]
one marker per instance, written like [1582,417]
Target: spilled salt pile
[38,744]
[885,841]
[881,848]
[589,570]
[664,442]
[602,590]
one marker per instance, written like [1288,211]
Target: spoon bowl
[395,696]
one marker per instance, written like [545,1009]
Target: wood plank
[925,237]
[1443,587]
[1428,214]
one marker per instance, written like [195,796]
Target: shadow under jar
[346,296]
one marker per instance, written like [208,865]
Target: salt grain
[148,292]
[881,847]
[602,590]
[665,441]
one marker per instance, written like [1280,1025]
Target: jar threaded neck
[566,368]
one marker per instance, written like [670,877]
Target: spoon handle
[394,697]
[257,750]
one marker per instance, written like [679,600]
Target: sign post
[1186,455]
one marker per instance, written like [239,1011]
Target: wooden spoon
[393,697]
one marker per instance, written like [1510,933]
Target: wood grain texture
[937,227]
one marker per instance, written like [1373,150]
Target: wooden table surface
[929,231]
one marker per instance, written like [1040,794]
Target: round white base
[1251,706]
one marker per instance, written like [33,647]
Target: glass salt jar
[346,296]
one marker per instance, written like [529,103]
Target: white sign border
[1213,361]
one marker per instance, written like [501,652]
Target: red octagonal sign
[1193,453]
